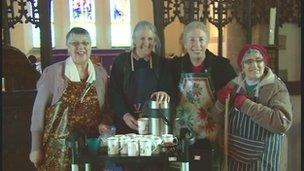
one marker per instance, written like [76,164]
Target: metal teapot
[159,117]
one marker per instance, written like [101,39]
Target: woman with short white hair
[71,95]
[197,76]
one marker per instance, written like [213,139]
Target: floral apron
[196,100]
[196,91]
[78,108]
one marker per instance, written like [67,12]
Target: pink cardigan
[50,88]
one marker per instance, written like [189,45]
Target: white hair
[149,26]
[194,25]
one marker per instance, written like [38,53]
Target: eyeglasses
[251,61]
[76,44]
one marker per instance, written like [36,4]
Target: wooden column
[6,31]
[45,32]
[248,22]
[158,11]
[276,38]
[220,29]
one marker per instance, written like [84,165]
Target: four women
[72,95]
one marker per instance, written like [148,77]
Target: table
[135,162]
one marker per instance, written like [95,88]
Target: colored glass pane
[120,23]
[82,14]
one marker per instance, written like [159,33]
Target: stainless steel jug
[159,117]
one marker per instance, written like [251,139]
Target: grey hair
[149,26]
[78,31]
[252,52]
[194,25]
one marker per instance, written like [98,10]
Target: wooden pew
[20,82]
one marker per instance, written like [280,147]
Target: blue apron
[250,146]
[142,83]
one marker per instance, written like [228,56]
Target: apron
[197,99]
[142,83]
[78,108]
[251,147]
[196,91]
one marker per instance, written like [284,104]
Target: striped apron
[251,147]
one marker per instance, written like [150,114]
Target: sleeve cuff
[36,140]
[246,106]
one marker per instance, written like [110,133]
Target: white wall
[21,37]
[294,137]
[290,58]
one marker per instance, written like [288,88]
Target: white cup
[157,142]
[147,146]
[123,141]
[113,145]
[133,148]
[143,128]
[119,136]
[131,135]
[169,138]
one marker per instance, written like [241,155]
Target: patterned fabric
[78,108]
[196,100]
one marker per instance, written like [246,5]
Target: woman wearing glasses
[70,96]
[260,113]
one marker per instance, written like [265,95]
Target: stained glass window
[36,31]
[82,14]
[120,23]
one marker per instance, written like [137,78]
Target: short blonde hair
[194,25]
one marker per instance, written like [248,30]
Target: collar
[71,70]
[205,64]
[268,78]
[136,57]
[197,69]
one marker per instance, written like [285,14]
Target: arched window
[82,14]
[120,23]
[36,31]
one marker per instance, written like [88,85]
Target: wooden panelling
[16,138]
[294,87]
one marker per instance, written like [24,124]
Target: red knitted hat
[246,47]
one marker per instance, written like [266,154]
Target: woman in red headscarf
[259,115]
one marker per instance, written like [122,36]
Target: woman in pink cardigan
[70,96]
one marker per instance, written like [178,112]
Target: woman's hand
[130,121]
[223,94]
[160,96]
[36,157]
[102,128]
